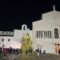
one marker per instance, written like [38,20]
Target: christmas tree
[26,43]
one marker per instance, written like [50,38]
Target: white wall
[18,34]
[16,40]
[46,25]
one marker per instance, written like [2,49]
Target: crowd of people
[29,51]
[39,51]
[10,50]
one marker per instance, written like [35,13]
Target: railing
[6,33]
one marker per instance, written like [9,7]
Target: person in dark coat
[0,50]
[5,51]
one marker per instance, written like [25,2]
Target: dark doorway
[57,48]
[59,51]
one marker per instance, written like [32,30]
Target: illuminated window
[56,33]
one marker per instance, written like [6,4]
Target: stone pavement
[10,57]
[41,57]
[13,56]
[32,57]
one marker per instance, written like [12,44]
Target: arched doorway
[59,51]
[57,48]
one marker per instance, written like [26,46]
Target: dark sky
[14,14]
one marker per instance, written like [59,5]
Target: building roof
[52,15]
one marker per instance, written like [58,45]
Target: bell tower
[54,8]
[24,27]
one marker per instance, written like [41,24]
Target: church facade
[46,33]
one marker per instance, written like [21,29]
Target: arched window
[56,33]
[23,27]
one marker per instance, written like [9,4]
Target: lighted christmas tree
[26,43]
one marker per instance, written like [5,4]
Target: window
[37,34]
[8,39]
[2,40]
[56,33]
[43,34]
[49,34]
[46,34]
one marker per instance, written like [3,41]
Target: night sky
[14,14]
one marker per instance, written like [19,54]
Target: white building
[46,32]
[13,39]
